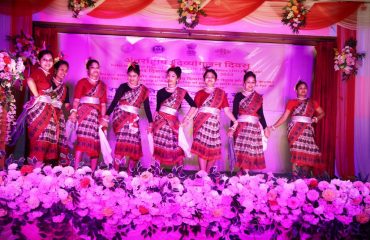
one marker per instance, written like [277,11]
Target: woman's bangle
[73,110]
[105,119]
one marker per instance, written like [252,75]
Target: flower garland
[25,48]
[189,11]
[77,5]
[294,15]
[11,71]
[347,60]
[106,204]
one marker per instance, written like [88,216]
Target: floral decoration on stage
[11,73]
[294,15]
[76,6]
[60,57]
[347,60]
[25,48]
[108,205]
[189,12]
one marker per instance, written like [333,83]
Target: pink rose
[293,203]
[344,219]
[357,200]
[362,218]
[308,217]
[319,210]
[226,200]
[358,184]
[312,195]
[300,185]
[58,218]
[286,223]
[273,204]
[218,212]
[308,208]
[323,185]
[329,215]
[107,211]
[353,193]
[367,210]
[3,212]
[329,195]
[33,202]
[248,204]
[272,194]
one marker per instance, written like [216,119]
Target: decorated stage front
[67,204]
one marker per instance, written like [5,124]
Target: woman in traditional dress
[247,108]
[166,123]
[305,153]
[42,118]
[206,133]
[61,96]
[125,108]
[89,106]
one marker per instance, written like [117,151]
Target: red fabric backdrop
[325,14]
[345,115]
[325,92]
[118,9]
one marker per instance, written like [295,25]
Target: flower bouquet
[189,12]
[11,71]
[294,15]
[347,60]
[77,5]
[25,48]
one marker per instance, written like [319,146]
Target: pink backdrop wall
[278,68]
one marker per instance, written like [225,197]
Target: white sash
[183,143]
[90,100]
[168,110]
[105,147]
[211,110]
[130,109]
[248,119]
[47,99]
[301,119]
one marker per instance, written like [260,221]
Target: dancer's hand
[104,122]
[267,132]
[315,120]
[150,128]
[230,133]
[186,121]
[73,117]
[235,125]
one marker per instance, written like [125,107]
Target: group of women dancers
[46,121]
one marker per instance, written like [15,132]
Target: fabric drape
[362,99]
[118,9]
[23,7]
[228,11]
[325,14]
[345,115]
[324,91]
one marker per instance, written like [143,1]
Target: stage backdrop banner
[277,66]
